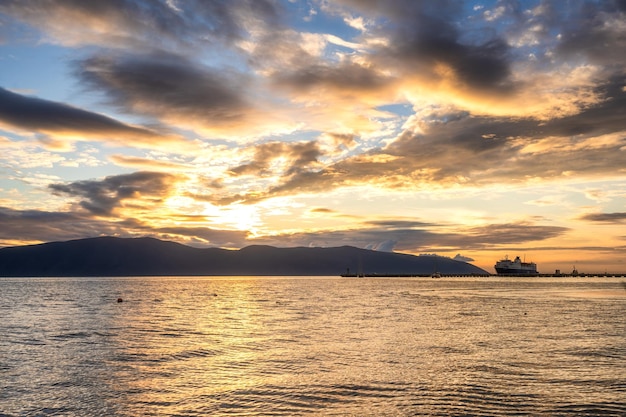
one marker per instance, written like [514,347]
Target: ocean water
[312,346]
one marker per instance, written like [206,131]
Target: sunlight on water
[312,346]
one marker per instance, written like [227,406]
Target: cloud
[37,226]
[27,154]
[344,78]
[34,226]
[142,24]
[418,236]
[206,236]
[457,148]
[398,224]
[182,63]
[426,39]
[605,217]
[322,210]
[327,88]
[102,197]
[595,31]
[296,157]
[385,246]
[169,87]
[439,53]
[360,237]
[152,164]
[470,151]
[511,233]
[461,258]
[61,122]
[342,139]
[19,227]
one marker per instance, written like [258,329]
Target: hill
[110,256]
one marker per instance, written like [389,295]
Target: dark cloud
[322,210]
[594,30]
[399,224]
[346,77]
[605,217]
[39,115]
[484,66]
[603,118]
[487,150]
[168,86]
[450,149]
[44,226]
[302,182]
[405,11]
[426,35]
[511,233]
[485,237]
[480,238]
[102,197]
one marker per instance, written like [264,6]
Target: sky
[467,129]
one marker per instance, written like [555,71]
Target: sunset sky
[480,128]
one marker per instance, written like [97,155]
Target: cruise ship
[516,267]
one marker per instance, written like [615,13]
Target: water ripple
[310,347]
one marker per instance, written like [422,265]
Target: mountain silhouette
[111,256]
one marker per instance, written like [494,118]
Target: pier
[376,275]
[553,275]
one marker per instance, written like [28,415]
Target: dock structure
[566,275]
[554,275]
[377,275]
[580,275]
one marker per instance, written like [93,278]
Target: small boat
[516,267]
[436,275]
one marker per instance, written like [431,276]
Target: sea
[312,346]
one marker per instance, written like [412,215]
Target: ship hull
[516,267]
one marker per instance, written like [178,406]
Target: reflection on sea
[312,346]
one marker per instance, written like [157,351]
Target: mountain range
[112,256]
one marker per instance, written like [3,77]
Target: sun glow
[235,216]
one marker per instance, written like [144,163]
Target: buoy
[119,300]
